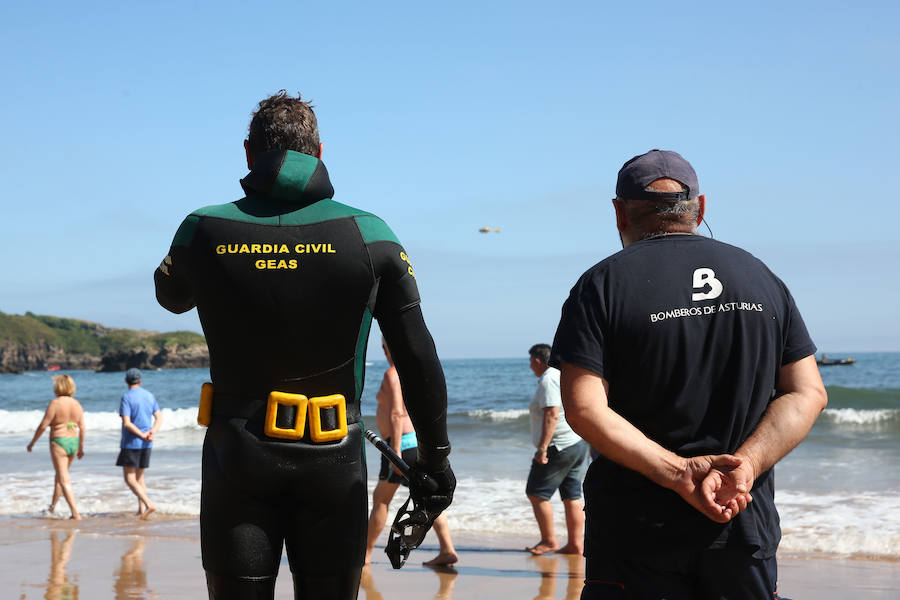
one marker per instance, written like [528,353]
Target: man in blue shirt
[141,419]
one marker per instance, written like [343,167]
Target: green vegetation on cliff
[83,337]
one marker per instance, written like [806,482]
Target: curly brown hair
[284,123]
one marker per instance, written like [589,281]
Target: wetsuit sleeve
[397,289]
[172,278]
[422,381]
[396,307]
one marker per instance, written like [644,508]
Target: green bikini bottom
[69,444]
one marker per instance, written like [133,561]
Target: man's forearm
[618,440]
[396,433]
[587,412]
[134,429]
[548,427]
[788,418]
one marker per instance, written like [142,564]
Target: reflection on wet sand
[446,577]
[367,584]
[546,568]
[131,579]
[575,564]
[58,586]
[548,565]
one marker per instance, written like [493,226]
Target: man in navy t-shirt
[686,364]
[141,419]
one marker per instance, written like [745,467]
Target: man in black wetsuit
[670,351]
[286,282]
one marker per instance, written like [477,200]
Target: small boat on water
[826,361]
[53,368]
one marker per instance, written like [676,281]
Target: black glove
[431,488]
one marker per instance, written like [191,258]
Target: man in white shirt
[559,463]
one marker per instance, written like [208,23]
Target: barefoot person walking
[63,415]
[141,419]
[559,463]
[397,428]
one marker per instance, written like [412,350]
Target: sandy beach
[119,557]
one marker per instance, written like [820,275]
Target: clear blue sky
[118,119]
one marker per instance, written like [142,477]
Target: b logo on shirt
[706,278]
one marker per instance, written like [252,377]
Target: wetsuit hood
[291,177]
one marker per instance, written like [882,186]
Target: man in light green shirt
[559,463]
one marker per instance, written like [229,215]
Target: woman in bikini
[64,415]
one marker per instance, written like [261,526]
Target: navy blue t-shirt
[690,333]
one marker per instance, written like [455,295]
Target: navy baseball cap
[644,169]
[132,376]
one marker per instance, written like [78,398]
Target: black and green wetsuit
[286,282]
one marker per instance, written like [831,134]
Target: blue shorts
[564,471]
[730,573]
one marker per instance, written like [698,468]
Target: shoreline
[119,556]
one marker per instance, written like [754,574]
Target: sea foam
[851,523]
[856,416]
[498,415]
[22,421]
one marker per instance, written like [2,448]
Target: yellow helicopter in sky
[489,230]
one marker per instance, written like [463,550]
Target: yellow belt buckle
[286,399]
[315,418]
[204,410]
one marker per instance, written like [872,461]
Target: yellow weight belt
[307,410]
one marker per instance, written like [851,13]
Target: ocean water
[838,492]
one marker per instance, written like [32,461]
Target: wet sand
[120,557]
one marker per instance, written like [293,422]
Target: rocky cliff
[168,357]
[15,358]
[35,342]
